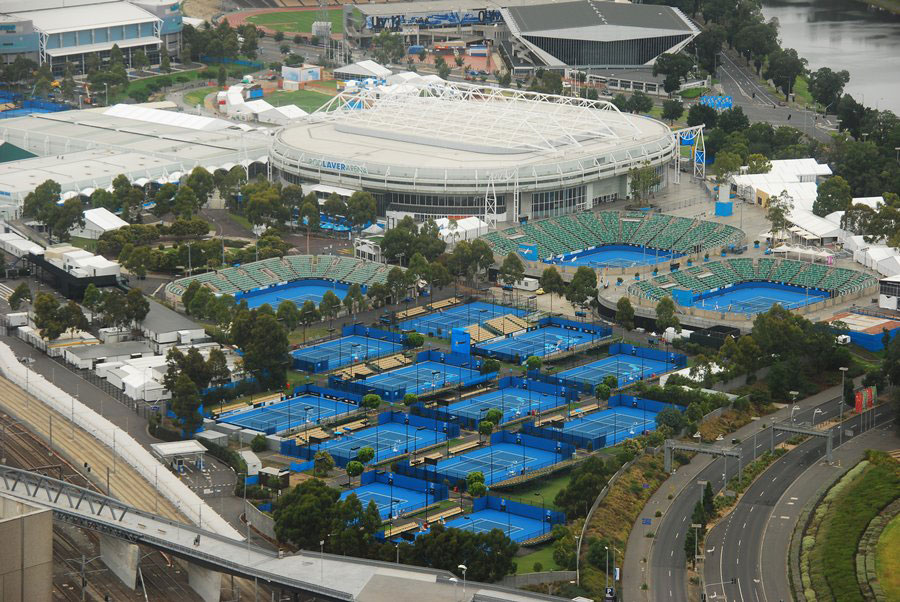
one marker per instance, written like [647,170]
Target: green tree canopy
[625,313]
[832,195]
[665,315]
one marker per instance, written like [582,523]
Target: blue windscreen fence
[375,333]
[597,330]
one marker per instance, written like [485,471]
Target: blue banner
[528,251]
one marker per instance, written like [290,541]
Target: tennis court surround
[514,402]
[540,342]
[421,377]
[625,367]
[498,462]
[441,323]
[298,291]
[391,501]
[616,256]
[758,297]
[617,424]
[344,351]
[388,440]
[517,528]
[287,414]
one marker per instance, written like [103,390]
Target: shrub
[259,443]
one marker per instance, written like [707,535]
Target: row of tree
[312,513]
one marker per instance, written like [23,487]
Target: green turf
[297,21]
[196,97]
[692,93]
[308,100]
[887,560]
[543,554]
[548,487]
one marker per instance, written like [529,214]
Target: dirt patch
[201,9]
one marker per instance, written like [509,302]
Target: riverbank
[892,6]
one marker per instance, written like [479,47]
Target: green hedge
[845,521]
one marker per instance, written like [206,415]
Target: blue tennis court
[758,297]
[391,501]
[342,352]
[626,369]
[388,440]
[540,342]
[298,291]
[288,414]
[498,462]
[514,402]
[517,528]
[441,323]
[618,424]
[421,377]
[615,256]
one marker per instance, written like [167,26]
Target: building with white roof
[66,32]
[799,178]
[85,150]
[362,70]
[96,222]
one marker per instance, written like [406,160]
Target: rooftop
[178,448]
[162,319]
[570,19]
[85,352]
[72,16]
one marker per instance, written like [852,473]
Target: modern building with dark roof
[534,33]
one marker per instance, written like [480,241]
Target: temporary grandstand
[462,149]
[574,236]
[281,270]
[696,284]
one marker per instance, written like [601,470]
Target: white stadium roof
[478,119]
[84,15]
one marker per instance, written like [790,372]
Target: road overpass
[308,574]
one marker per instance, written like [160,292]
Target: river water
[842,34]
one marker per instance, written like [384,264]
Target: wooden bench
[416,462]
[353,426]
[266,399]
[586,409]
[549,419]
[410,313]
[305,436]
[388,533]
[445,514]
[463,447]
[445,303]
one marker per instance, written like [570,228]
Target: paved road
[734,547]
[740,82]
[666,577]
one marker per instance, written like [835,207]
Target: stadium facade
[534,33]
[66,32]
[458,149]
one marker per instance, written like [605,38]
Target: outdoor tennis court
[391,501]
[626,369]
[420,378]
[512,401]
[388,440]
[758,297]
[540,342]
[618,424]
[288,414]
[615,256]
[344,351]
[298,291]
[498,462]
[441,323]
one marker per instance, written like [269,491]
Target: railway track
[26,442]
[162,579]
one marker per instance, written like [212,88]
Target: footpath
[638,553]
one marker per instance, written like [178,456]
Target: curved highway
[667,576]
[734,546]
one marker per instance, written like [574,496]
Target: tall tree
[361,208]
[665,315]
[826,86]
[186,403]
[330,305]
[672,109]
[625,313]
[832,195]
[308,314]
[642,180]
[783,68]
[552,283]
[288,314]
[512,270]
[777,211]
[583,287]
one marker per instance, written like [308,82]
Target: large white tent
[889,266]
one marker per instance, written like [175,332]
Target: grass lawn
[887,560]
[543,554]
[801,92]
[297,21]
[312,333]
[88,244]
[692,93]
[547,487]
[308,100]
[196,97]
[241,221]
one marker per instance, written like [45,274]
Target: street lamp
[607,564]
[843,370]
[463,568]
[817,411]
[793,395]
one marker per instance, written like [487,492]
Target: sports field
[517,528]
[421,377]
[308,100]
[615,256]
[513,402]
[287,414]
[442,322]
[540,342]
[342,352]
[758,297]
[297,21]
[391,501]
[617,424]
[297,291]
[498,462]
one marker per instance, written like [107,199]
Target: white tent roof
[291,111]
[184,120]
[876,253]
[818,226]
[869,201]
[104,218]
[365,69]
[856,243]
[374,229]
[889,266]
[258,106]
